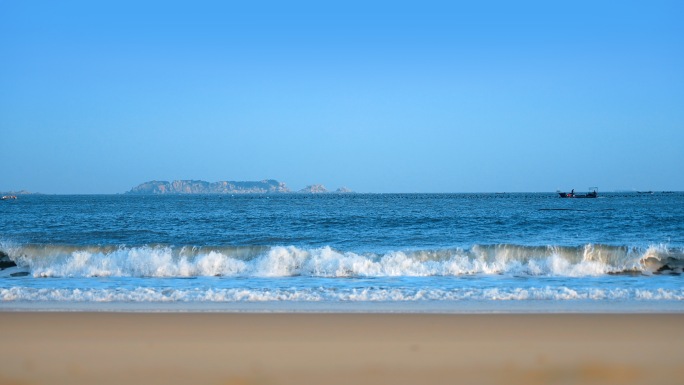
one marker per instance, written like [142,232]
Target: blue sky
[478,96]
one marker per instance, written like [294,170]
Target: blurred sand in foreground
[230,348]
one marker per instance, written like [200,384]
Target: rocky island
[203,187]
[320,189]
[20,192]
[314,189]
[267,186]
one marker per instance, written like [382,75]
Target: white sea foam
[323,294]
[284,261]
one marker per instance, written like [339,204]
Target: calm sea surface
[356,252]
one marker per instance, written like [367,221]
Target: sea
[425,253]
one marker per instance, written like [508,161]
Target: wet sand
[233,348]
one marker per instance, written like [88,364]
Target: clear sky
[423,96]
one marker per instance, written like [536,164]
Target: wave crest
[283,261]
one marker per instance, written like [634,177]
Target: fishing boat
[593,193]
[7,197]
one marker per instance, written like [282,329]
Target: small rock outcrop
[314,189]
[343,190]
[5,261]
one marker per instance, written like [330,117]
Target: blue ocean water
[292,251]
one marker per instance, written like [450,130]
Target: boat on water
[591,194]
[7,197]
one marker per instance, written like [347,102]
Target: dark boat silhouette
[591,194]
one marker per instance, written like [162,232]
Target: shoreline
[359,307]
[276,348]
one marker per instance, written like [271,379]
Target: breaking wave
[284,261]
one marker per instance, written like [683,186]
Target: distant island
[268,186]
[320,189]
[20,192]
[15,193]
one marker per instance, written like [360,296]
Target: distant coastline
[267,186]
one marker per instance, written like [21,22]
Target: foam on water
[286,261]
[140,294]
[410,250]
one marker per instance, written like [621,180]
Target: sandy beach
[231,348]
